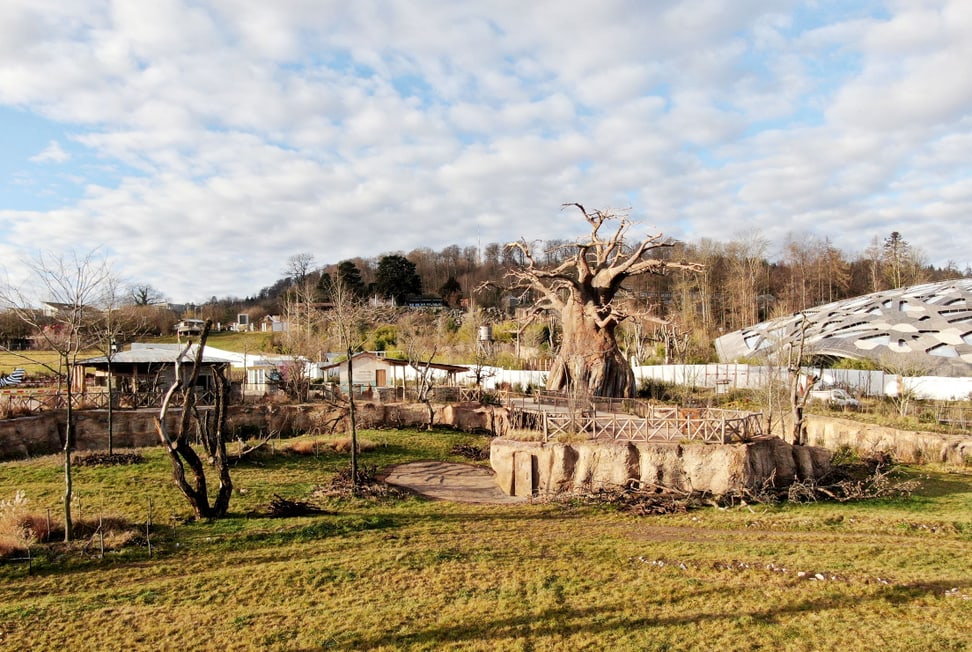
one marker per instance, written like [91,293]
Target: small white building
[274,324]
[189,328]
[374,370]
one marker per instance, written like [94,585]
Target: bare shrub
[367,484]
[305,447]
[19,528]
[517,434]
[106,459]
[318,446]
[344,445]
[470,451]
[9,410]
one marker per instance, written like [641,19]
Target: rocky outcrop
[538,468]
[911,447]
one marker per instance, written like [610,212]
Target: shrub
[10,411]
[490,398]
[20,529]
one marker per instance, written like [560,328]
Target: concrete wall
[911,447]
[538,468]
[44,434]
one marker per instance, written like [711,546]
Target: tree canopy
[397,279]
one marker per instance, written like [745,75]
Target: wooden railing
[665,424]
[24,402]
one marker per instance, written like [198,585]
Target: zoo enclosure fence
[629,420]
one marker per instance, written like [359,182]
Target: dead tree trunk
[799,392]
[181,453]
[587,290]
[589,362]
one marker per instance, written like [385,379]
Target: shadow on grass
[280,457]
[563,622]
[938,485]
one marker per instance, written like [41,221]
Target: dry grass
[408,574]
[318,446]
[19,527]
[524,435]
[9,410]
[33,362]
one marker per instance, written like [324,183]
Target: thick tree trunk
[181,453]
[589,362]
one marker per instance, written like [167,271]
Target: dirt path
[461,483]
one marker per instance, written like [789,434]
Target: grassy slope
[413,574]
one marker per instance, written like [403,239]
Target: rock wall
[537,468]
[911,447]
[44,434]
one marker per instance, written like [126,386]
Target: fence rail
[662,424]
[33,401]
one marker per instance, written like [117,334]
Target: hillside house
[189,328]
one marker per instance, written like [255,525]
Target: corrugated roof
[147,356]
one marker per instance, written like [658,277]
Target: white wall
[868,383]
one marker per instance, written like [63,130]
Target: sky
[198,144]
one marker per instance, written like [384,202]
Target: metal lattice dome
[926,327]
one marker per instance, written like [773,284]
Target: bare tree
[71,286]
[422,336]
[211,427]
[143,294]
[114,323]
[303,337]
[745,258]
[299,267]
[108,333]
[904,366]
[348,317]
[801,384]
[585,289]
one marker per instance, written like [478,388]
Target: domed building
[926,328]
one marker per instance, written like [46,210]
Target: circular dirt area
[461,483]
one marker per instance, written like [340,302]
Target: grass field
[33,361]
[392,574]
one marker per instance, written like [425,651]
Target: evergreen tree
[451,291]
[397,279]
[350,277]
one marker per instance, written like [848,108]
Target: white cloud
[245,132]
[53,153]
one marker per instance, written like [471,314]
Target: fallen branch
[281,507]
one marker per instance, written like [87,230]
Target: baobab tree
[587,289]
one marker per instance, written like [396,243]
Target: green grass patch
[413,574]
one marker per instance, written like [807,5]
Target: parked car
[835,398]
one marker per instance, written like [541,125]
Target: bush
[9,411]
[19,528]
